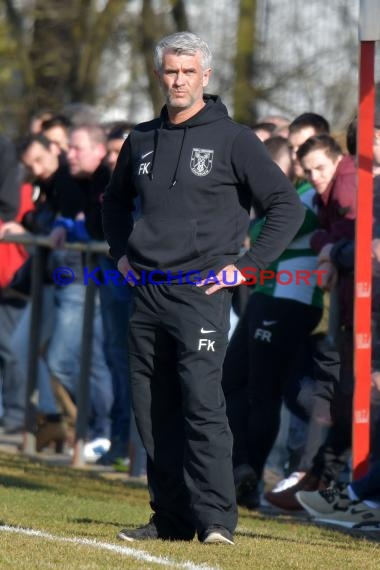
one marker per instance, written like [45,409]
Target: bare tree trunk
[26,91]
[152,30]
[179,15]
[62,64]
[51,52]
[244,94]
[15,22]
[97,35]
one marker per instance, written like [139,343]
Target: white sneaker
[290,481]
[325,502]
[95,448]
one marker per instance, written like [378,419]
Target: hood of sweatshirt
[214,110]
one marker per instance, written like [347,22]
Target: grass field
[57,517]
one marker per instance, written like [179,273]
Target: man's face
[296,139]
[319,169]
[113,150]
[58,135]
[84,155]
[41,161]
[182,80]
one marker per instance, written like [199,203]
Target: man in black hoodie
[197,174]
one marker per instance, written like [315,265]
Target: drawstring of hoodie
[156,142]
[174,179]
[155,146]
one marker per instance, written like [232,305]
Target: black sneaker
[156,529]
[250,500]
[246,486]
[217,535]
[146,532]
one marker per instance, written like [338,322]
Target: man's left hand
[229,276]
[329,275]
[57,237]
[11,228]
[324,254]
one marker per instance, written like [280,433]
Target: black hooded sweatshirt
[197,181]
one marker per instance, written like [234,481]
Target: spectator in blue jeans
[63,355]
[116,307]
[115,300]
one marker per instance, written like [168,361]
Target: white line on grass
[124,550]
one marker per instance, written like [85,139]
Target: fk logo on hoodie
[144,166]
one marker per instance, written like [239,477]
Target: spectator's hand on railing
[11,228]
[330,272]
[126,268]
[57,237]
[329,275]
[324,254]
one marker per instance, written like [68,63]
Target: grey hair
[182,43]
[95,133]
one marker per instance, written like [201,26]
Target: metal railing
[41,246]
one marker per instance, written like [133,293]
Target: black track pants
[177,344]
